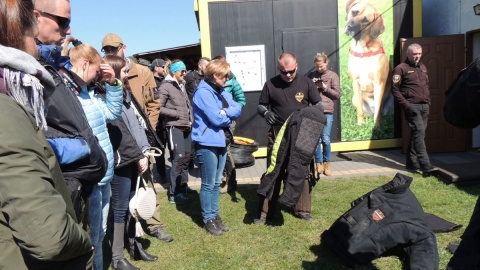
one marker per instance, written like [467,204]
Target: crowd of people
[87,127]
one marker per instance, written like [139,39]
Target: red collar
[367,54]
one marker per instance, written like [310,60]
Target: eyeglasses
[183,72]
[291,72]
[61,21]
[112,49]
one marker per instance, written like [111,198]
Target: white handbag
[143,203]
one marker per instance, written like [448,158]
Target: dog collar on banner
[367,54]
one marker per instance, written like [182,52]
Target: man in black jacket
[411,92]
[158,69]
[280,97]
[193,78]
[65,116]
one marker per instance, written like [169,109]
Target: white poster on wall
[248,65]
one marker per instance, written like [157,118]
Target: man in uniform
[410,89]
[280,96]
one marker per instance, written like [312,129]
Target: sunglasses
[111,49]
[291,72]
[61,21]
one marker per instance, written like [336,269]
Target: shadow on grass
[326,259]
[249,194]
[192,209]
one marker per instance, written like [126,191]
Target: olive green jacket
[38,229]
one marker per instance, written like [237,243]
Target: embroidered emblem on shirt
[378,215]
[396,78]
[299,96]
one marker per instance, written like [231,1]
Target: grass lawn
[291,243]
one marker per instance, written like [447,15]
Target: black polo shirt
[284,98]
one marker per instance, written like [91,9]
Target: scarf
[26,81]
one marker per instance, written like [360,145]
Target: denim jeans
[99,202]
[121,186]
[324,142]
[211,161]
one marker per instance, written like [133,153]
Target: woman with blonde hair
[214,110]
[90,68]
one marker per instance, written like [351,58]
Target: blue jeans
[211,161]
[99,201]
[121,186]
[324,142]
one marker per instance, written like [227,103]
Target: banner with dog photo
[366,52]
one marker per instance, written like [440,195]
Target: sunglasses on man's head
[285,72]
[61,21]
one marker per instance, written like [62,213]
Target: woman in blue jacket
[213,112]
[88,68]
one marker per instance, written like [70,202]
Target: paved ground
[362,163]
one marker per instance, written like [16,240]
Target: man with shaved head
[65,116]
[280,97]
[53,18]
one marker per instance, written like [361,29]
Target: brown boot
[320,168]
[328,170]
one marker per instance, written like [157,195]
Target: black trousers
[180,143]
[417,118]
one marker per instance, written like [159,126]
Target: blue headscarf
[177,66]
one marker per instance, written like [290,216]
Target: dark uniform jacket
[298,140]
[389,216]
[410,84]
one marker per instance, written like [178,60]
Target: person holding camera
[328,85]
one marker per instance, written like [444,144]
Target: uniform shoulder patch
[378,215]
[396,78]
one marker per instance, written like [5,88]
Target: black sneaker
[429,169]
[179,199]
[212,227]
[161,234]
[221,225]
[306,217]
[187,190]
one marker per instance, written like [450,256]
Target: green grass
[291,243]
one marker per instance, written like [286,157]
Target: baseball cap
[159,62]
[111,40]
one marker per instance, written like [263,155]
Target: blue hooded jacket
[209,122]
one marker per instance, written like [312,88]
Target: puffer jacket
[233,87]
[209,123]
[98,112]
[175,107]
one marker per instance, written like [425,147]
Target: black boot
[123,265]
[138,253]
[118,260]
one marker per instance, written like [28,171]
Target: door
[444,57]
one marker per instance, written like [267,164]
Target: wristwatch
[116,83]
